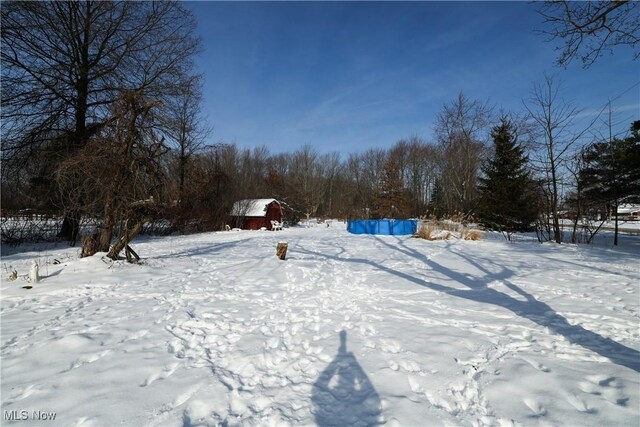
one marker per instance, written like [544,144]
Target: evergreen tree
[612,172]
[506,188]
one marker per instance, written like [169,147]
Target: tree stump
[90,245]
[281,252]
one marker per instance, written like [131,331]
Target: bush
[445,229]
[470,234]
[432,232]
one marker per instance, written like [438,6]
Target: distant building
[253,214]
[629,212]
[567,215]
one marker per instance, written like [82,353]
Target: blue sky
[347,76]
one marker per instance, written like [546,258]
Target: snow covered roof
[251,207]
[628,209]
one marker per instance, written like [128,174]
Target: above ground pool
[394,227]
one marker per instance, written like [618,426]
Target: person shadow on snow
[343,395]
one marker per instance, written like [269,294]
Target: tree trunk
[70,228]
[132,256]
[554,202]
[107,229]
[574,236]
[183,166]
[615,233]
[123,241]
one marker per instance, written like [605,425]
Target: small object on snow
[27,287]
[281,251]
[227,228]
[14,275]
[34,274]
[55,261]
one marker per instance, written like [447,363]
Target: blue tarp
[394,227]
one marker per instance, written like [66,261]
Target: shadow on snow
[343,394]
[477,289]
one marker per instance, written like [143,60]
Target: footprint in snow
[135,336]
[85,360]
[390,346]
[23,393]
[539,366]
[165,373]
[578,403]
[606,386]
[535,406]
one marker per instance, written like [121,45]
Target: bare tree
[305,180]
[119,172]
[64,64]
[555,120]
[186,130]
[330,165]
[365,173]
[461,130]
[252,167]
[591,28]
[391,199]
[420,171]
[213,181]
[341,192]
[356,197]
[185,126]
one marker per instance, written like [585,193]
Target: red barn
[253,214]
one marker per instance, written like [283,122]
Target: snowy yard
[213,328]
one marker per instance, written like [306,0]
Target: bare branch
[591,28]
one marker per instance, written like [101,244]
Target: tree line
[102,119]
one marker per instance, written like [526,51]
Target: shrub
[470,234]
[432,232]
[444,230]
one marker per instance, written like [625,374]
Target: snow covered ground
[214,329]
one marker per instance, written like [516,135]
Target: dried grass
[444,230]
[425,231]
[470,234]
[432,232]
[450,225]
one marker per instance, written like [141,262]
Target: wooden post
[281,252]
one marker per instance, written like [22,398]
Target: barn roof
[251,207]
